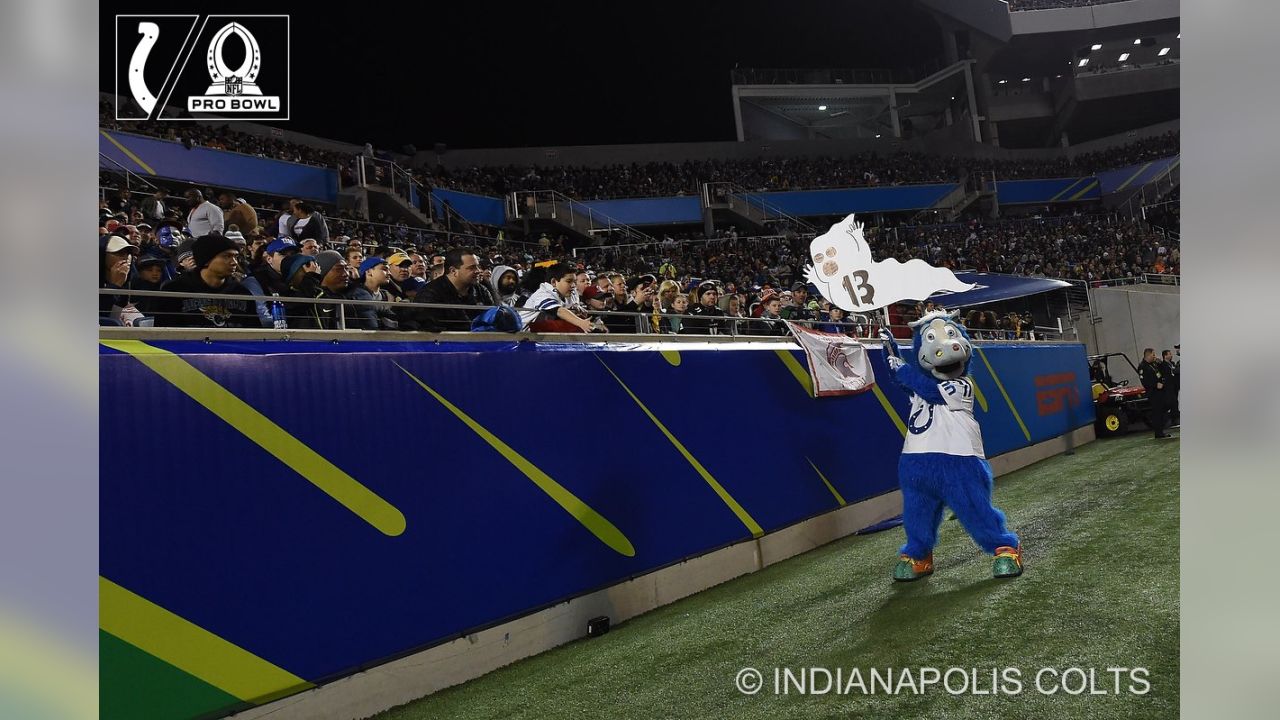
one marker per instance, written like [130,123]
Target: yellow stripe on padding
[266,434]
[1000,385]
[593,521]
[801,374]
[1067,189]
[1086,189]
[827,482]
[977,394]
[127,152]
[738,510]
[889,409]
[191,648]
[1132,177]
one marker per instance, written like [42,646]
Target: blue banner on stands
[994,287]
[324,507]
[1014,192]
[650,211]
[473,208]
[152,157]
[1135,176]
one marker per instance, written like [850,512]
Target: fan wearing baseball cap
[216,261]
[268,273]
[115,259]
[373,277]
[398,268]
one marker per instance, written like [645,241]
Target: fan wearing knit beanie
[331,282]
[216,262]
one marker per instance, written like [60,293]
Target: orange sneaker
[1008,562]
[909,568]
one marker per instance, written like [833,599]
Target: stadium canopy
[994,287]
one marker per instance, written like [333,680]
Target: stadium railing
[865,328]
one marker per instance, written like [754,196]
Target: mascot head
[940,345]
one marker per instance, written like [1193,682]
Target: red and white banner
[838,364]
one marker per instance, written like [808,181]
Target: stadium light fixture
[1138,41]
[1096,46]
[1002,82]
[822,107]
[877,134]
[1179,36]
[1163,52]
[1026,79]
[1083,62]
[1124,56]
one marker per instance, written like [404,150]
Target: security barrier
[275,515]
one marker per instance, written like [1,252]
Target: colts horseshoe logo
[911,422]
[137,83]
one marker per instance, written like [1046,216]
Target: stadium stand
[1084,245]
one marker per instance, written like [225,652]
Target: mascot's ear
[915,323]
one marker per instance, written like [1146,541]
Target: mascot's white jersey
[950,428]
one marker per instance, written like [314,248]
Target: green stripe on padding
[135,685]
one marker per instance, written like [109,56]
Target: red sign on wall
[1053,391]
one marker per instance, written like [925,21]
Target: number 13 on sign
[860,291]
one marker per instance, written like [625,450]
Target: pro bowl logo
[224,67]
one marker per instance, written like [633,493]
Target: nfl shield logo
[234,85]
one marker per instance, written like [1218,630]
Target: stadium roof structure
[789,104]
[1026,79]
[1065,75]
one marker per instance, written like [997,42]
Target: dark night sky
[475,74]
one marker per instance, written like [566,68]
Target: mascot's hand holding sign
[942,462]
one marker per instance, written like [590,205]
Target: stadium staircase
[1132,200]
[949,208]
[393,192]
[1071,306]
[750,209]
[554,212]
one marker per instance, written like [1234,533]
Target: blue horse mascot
[943,463]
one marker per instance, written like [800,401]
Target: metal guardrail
[549,204]
[1143,279]
[869,327]
[835,76]
[699,241]
[726,193]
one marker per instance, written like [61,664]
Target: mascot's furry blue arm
[942,461]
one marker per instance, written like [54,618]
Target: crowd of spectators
[222,137]
[1087,248]
[1166,215]
[219,242]
[1018,5]
[665,179]
[662,179]
[214,243]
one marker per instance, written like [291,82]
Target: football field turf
[1099,531]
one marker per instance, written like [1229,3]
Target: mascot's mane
[919,325]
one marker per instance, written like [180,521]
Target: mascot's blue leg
[968,483]
[921,516]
